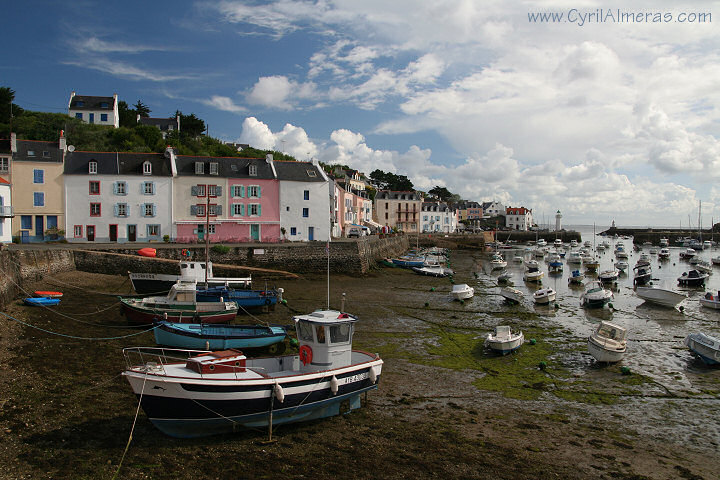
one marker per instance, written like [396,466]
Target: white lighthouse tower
[558,216]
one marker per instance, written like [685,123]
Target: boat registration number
[356,378]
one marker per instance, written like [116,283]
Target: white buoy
[278,391]
[373,375]
[334,385]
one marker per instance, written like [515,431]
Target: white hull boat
[688,254]
[710,301]
[704,266]
[716,260]
[664,254]
[503,340]
[533,272]
[608,276]
[462,292]
[660,296]
[512,295]
[705,347]
[576,277]
[595,296]
[622,265]
[608,343]
[433,270]
[544,296]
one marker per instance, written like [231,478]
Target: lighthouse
[558,216]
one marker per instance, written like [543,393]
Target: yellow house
[36,174]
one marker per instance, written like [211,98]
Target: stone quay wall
[21,268]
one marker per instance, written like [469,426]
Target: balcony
[6,212]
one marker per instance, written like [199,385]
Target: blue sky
[601,118]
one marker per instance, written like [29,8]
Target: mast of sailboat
[700,221]
[207,233]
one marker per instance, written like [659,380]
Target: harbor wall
[21,268]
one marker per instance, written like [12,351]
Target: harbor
[446,406]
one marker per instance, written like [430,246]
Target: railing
[6,211]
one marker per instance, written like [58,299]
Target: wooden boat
[209,393]
[544,296]
[147,252]
[157,283]
[462,291]
[512,295]
[707,348]
[660,296]
[41,301]
[220,336]
[409,261]
[595,296]
[504,340]
[608,343]
[244,298]
[710,301]
[47,294]
[693,278]
[180,305]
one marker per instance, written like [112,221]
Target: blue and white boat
[220,336]
[41,301]
[244,298]
[409,261]
[198,393]
[705,347]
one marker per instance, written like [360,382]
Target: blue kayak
[244,298]
[201,336]
[41,301]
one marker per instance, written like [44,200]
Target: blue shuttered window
[38,176]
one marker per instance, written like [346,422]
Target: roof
[37,151]
[161,123]
[298,171]
[87,102]
[397,195]
[4,182]
[116,163]
[228,167]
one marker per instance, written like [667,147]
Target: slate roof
[228,167]
[397,195]
[298,171]
[112,163]
[92,103]
[37,151]
[161,123]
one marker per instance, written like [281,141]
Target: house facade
[438,217]
[305,201]
[6,212]
[96,110]
[398,210]
[492,209]
[117,197]
[518,218]
[165,125]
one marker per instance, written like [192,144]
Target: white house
[493,209]
[518,218]
[438,217]
[304,201]
[97,110]
[6,212]
[117,197]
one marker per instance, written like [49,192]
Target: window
[200,190]
[306,212]
[91,118]
[253,191]
[211,228]
[38,176]
[121,210]
[212,190]
[199,168]
[253,210]
[26,222]
[153,230]
[293,230]
[340,333]
[214,210]
[311,173]
[199,210]
[78,116]
[252,170]
[77,231]
[4,165]
[238,209]
[46,154]
[31,153]
[38,199]
[94,209]
[147,168]
[306,195]
[149,188]
[104,105]
[120,188]
[213,168]
[94,188]
[238,191]
[148,210]
[103,117]
[92,167]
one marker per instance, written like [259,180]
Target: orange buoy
[147,252]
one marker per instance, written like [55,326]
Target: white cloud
[279,92]
[224,103]
[291,140]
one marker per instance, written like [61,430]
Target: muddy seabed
[445,407]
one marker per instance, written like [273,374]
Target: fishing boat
[220,336]
[693,278]
[180,305]
[512,295]
[688,253]
[576,277]
[707,348]
[433,270]
[244,298]
[147,252]
[609,276]
[595,296]
[462,291]
[710,301]
[409,261]
[664,253]
[199,393]
[704,266]
[504,340]
[41,301]
[608,343]
[642,272]
[157,283]
[533,272]
[544,296]
[660,296]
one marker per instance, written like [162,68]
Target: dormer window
[311,173]
[199,168]
[147,168]
[92,167]
[46,154]
[213,168]
[252,170]
[31,153]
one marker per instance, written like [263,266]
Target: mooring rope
[132,430]
[74,336]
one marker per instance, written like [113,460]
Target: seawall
[23,267]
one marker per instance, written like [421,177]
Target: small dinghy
[608,343]
[504,340]
[47,294]
[512,295]
[711,301]
[41,301]
[705,347]
[660,296]
[220,337]
[147,252]
[544,296]
[462,292]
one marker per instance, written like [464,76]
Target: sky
[609,113]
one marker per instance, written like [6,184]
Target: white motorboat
[558,243]
[574,257]
[608,276]
[504,340]
[710,301]
[705,347]
[653,251]
[462,291]
[595,296]
[716,260]
[608,343]
[642,273]
[544,296]
[664,254]
[622,265]
[573,243]
[664,242]
[533,272]
[688,253]
[704,266]
[497,263]
[512,295]
[541,243]
[576,277]
[591,263]
[660,296]
[433,270]
[707,244]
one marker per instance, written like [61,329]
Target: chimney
[13,142]
[62,144]
[269,158]
[137,118]
[170,154]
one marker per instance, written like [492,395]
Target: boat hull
[504,347]
[144,315]
[602,353]
[665,298]
[41,301]
[217,337]
[160,283]
[705,347]
[244,298]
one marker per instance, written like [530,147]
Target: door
[132,233]
[92,118]
[39,227]
[311,233]
[90,230]
[113,233]
[255,232]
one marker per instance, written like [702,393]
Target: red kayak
[46,294]
[147,252]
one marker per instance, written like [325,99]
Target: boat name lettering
[356,378]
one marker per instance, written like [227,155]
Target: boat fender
[373,375]
[278,392]
[334,385]
[305,354]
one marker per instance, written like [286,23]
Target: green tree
[390,181]
[191,125]
[141,109]
[128,116]
[441,193]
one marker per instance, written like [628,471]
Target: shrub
[221,249]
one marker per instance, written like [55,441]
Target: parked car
[354,232]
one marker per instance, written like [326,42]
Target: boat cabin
[196,271]
[225,361]
[184,291]
[612,331]
[325,339]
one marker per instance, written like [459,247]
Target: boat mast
[207,233]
